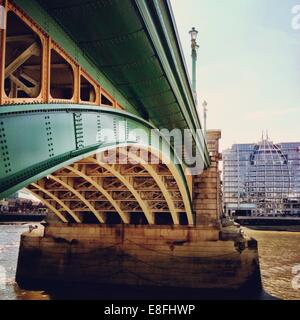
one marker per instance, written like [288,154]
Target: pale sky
[248,66]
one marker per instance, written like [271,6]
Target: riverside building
[262,179]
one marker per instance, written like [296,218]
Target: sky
[248,66]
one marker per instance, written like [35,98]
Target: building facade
[23,194]
[262,179]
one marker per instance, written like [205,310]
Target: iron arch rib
[109,198]
[159,181]
[43,151]
[144,206]
[99,217]
[49,206]
[56,199]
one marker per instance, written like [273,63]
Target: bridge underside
[93,165]
[131,71]
[59,97]
[134,192]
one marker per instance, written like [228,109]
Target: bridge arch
[42,134]
[122,193]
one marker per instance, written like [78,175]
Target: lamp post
[194,34]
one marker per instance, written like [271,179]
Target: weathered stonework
[182,257]
[207,187]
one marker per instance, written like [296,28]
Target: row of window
[270,175]
[28,52]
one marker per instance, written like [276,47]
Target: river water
[279,255]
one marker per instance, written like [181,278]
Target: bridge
[88,95]
[62,85]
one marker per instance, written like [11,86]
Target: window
[105,100]
[61,77]
[23,60]
[87,90]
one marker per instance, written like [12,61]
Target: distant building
[262,179]
[22,195]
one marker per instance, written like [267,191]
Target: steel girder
[136,55]
[38,140]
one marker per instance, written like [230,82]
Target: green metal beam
[36,140]
[162,30]
[139,52]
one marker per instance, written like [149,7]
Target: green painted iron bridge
[83,78]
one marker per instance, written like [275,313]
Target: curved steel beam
[160,34]
[99,217]
[49,206]
[30,155]
[109,198]
[159,181]
[142,203]
[182,188]
[61,203]
[178,178]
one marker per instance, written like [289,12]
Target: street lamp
[194,35]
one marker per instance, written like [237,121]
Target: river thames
[279,255]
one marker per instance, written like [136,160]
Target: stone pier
[180,257]
[207,200]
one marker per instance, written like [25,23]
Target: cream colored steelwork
[176,176]
[80,197]
[32,50]
[49,206]
[126,181]
[125,188]
[40,92]
[56,199]
[159,181]
[178,179]
[109,198]
[2,55]
[20,85]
